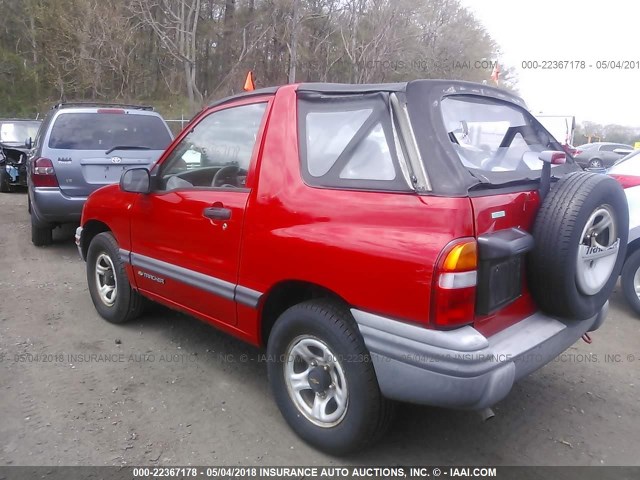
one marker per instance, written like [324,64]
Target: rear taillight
[43,174]
[627,181]
[454,285]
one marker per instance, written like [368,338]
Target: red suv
[425,242]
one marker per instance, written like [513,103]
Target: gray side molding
[247,296]
[213,285]
[189,277]
[124,255]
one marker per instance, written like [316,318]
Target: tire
[123,303]
[40,236]
[631,281]
[363,414]
[4,180]
[570,276]
[595,163]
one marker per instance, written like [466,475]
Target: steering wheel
[226,177]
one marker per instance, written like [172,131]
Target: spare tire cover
[580,234]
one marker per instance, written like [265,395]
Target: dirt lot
[76,390]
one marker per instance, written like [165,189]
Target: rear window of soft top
[496,140]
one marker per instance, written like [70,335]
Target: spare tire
[580,237]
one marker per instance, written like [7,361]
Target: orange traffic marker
[249,83]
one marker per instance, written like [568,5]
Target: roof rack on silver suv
[100,105]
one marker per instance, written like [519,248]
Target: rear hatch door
[500,144]
[90,149]
[505,220]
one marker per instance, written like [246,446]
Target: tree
[172,52]
[175,22]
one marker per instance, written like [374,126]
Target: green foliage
[17,85]
[132,50]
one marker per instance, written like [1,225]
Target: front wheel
[631,281]
[109,285]
[323,380]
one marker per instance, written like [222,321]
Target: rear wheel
[595,163]
[40,235]
[109,285]
[631,281]
[323,380]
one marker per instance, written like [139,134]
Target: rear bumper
[462,368]
[52,206]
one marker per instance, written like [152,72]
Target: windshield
[103,131]
[493,137]
[18,131]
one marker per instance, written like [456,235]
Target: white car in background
[627,172]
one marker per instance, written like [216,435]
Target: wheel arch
[286,294]
[633,247]
[89,231]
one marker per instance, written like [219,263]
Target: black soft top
[447,175]
[441,87]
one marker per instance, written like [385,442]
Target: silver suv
[81,147]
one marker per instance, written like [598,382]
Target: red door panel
[185,257]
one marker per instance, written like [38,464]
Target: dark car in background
[15,137]
[82,147]
[600,154]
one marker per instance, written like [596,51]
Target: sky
[540,30]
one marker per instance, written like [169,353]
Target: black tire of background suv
[369,414]
[40,236]
[129,304]
[557,229]
[629,270]
[4,180]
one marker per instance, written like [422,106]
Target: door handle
[217,213]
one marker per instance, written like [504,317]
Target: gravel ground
[170,390]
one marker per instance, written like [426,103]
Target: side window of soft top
[348,141]
[216,152]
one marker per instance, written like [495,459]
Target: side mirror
[553,157]
[135,180]
[28,143]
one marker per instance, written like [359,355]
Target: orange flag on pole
[249,83]
[495,75]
